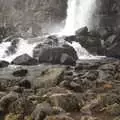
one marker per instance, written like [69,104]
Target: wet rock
[70,39]
[24,60]
[109,41]
[55,55]
[66,101]
[94,33]
[68,73]
[75,87]
[59,117]
[54,39]
[82,31]
[67,60]
[92,45]
[4,64]
[25,83]
[104,32]
[108,67]
[68,77]
[87,65]
[91,75]
[20,73]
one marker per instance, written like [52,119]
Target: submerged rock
[20,73]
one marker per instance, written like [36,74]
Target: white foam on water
[82,53]
[23,48]
[3,48]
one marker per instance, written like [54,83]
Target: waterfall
[79,14]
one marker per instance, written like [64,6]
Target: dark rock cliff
[34,16]
[107,14]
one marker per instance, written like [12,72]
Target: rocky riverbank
[88,90]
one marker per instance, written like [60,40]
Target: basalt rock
[24,60]
[4,64]
[55,55]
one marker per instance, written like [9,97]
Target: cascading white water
[79,14]
[23,47]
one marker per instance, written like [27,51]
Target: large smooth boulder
[55,55]
[3,64]
[24,60]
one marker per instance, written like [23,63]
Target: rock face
[107,14]
[112,45]
[36,16]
